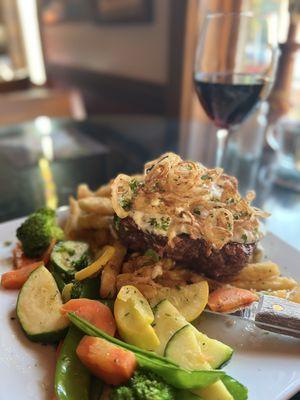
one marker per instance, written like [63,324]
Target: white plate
[268,364]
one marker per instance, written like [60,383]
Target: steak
[194,253]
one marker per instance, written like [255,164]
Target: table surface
[43,161]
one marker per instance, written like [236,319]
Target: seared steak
[195,253]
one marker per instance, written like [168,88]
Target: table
[43,161]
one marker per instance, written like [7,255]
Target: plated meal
[119,286]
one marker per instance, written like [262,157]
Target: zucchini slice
[168,320]
[184,349]
[70,256]
[38,308]
[217,353]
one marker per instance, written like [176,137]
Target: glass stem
[222,140]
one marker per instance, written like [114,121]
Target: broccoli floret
[122,393]
[37,231]
[46,211]
[147,385]
[144,385]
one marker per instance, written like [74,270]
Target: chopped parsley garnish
[197,211]
[229,225]
[205,177]
[165,222]
[126,204]
[244,237]
[152,254]
[189,167]
[162,224]
[230,200]
[241,214]
[153,222]
[134,184]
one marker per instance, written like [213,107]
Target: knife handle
[280,316]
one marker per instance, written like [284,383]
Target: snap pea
[72,379]
[178,377]
[235,388]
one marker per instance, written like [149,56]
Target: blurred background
[92,87]
[113,56]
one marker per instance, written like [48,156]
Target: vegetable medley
[117,349]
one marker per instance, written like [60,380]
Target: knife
[271,314]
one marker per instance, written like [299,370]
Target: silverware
[271,314]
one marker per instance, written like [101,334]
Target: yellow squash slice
[134,317]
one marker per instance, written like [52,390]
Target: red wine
[228,98]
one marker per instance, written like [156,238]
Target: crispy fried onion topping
[202,202]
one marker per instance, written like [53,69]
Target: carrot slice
[107,361]
[230,299]
[19,258]
[15,279]
[93,311]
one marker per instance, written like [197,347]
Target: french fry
[276,283]
[84,191]
[103,191]
[294,295]
[111,271]
[282,294]
[258,271]
[96,205]
[71,223]
[92,221]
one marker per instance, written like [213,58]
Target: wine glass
[234,68]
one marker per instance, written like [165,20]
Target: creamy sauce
[146,223]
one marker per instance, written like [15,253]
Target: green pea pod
[174,375]
[178,377]
[235,388]
[72,379]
